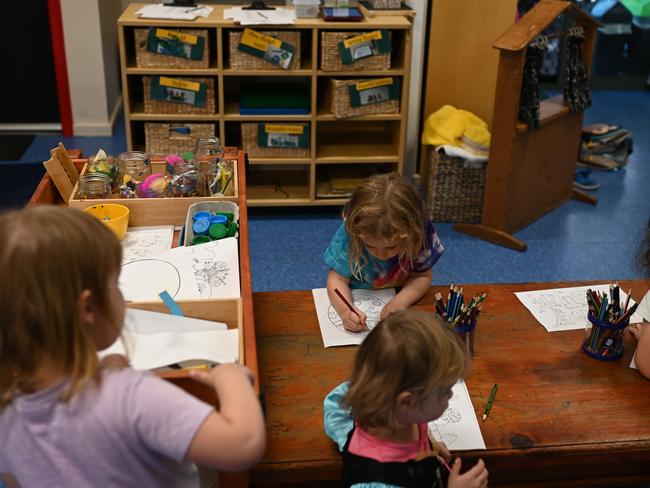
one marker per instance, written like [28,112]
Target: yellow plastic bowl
[115,216]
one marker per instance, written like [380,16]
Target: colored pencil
[347,304]
[489,403]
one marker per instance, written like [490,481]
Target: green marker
[489,403]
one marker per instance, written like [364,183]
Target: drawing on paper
[209,272]
[442,428]
[371,306]
[141,279]
[143,242]
[557,309]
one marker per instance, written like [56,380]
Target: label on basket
[285,135]
[266,47]
[173,43]
[374,91]
[365,45]
[178,91]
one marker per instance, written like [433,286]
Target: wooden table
[560,418]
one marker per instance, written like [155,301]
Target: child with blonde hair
[384,242]
[67,419]
[401,379]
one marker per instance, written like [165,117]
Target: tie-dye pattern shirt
[380,273]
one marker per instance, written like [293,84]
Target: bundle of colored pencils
[455,311]
[607,308]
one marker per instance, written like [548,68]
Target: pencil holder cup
[605,339]
[466,331]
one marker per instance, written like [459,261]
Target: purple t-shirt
[134,430]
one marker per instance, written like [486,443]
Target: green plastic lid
[232,229]
[228,215]
[218,231]
[639,8]
[200,240]
[187,155]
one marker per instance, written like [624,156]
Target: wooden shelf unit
[365,144]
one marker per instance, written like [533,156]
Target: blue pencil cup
[467,331]
[605,340]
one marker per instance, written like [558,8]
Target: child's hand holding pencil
[353,320]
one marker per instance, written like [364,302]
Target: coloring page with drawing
[565,308]
[370,302]
[458,427]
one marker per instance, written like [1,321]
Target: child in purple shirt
[66,419]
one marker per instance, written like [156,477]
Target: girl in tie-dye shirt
[384,242]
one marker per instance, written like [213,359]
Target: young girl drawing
[401,379]
[384,242]
[65,418]
[642,331]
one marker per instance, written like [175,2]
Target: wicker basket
[249,142]
[338,99]
[242,60]
[331,57]
[153,106]
[162,139]
[147,59]
[455,192]
[385,4]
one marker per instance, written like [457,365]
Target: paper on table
[370,302]
[458,427]
[279,16]
[561,309]
[155,340]
[140,242]
[644,311]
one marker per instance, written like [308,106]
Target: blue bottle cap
[200,215]
[201,227]
[218,219]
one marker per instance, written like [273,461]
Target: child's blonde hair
[410,351]
[48,256]
[386,206]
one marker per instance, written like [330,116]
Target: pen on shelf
[347,304]
[489,403]
[262,15]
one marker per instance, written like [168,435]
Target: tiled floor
[574,242]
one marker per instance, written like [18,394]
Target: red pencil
[346,302]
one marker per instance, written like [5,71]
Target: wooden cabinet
[340,149]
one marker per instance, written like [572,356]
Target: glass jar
[133,168]
[94,185]
[186,179]
[106,166]
[209,154]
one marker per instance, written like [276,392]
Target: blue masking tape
[171,304]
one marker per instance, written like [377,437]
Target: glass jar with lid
[93,186]
[105,165]
[133,168]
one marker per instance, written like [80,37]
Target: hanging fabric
[529,97]
[576,87]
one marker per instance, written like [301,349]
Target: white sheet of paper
[155,340]
[141,242]
[458,427]
[145,278]
[565,308]
[279,16]
[215,266]
[370,302]
[160,11]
